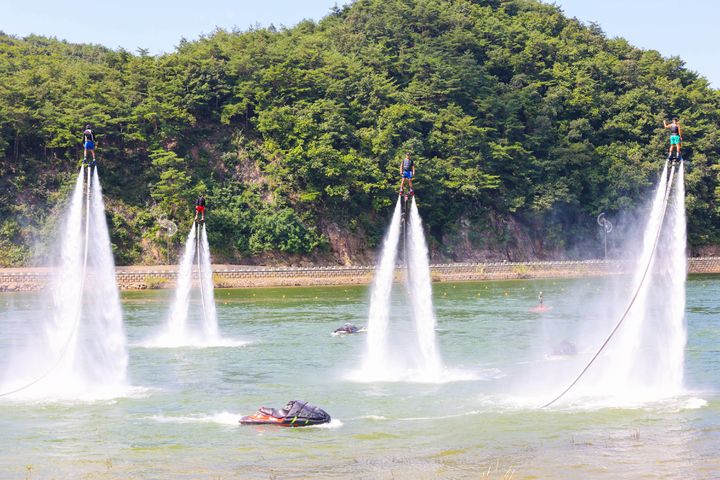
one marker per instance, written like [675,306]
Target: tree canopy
[523,125]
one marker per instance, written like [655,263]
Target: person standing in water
[407,171]
[88,145]
[675,137]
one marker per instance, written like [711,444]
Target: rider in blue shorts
[407,171]
[88,145]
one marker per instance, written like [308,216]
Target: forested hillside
[524,125]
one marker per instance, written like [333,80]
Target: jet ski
[348,329]
[295,414]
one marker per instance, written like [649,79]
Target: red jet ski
[295,414]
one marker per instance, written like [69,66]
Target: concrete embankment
[238,276]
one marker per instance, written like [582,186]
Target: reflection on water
[181,418]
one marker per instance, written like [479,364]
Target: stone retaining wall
[227,276]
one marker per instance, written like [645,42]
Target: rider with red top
[200,208]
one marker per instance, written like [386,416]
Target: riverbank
[240,276]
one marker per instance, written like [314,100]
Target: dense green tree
[171,190]
[524,124]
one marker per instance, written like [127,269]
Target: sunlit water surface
[179,419]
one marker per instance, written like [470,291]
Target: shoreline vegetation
[244,276]
[524,126]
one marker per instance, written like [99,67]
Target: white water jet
[207,289]
[376,361]
[407,357]
[81,353]
[622,360]
[176,328]
[675,335]
[105,352]
[60,333]
[420,291]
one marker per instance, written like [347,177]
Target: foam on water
[332,424]
[220,418]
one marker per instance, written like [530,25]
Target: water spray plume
[177,319]
[376,357]
[640,302]
[84,343]
[427,365]
[421,293]
[210,326]
[177,331]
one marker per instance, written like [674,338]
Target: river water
[178,416]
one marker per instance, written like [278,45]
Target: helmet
[87,127]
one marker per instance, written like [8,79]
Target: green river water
[179,418]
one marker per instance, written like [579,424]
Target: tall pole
[605,231]
[607,228]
